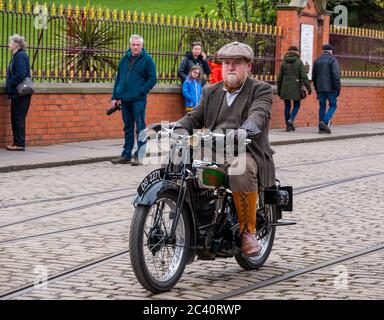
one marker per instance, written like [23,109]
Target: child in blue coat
[192,89]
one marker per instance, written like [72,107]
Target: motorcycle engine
[205,202]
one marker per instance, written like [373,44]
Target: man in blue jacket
[326,79]
[135,77]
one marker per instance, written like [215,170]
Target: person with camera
[136,76]
[18,70]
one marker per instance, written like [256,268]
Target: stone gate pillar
[305,24]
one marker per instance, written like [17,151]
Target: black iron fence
[68,44]
[360,52]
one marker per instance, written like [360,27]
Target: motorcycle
[185,210]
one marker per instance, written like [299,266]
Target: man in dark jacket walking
[194,57]
[326,79]
[136,76]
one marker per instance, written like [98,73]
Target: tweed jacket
[253,103]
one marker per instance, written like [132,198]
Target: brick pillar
[326,22]
[288,20]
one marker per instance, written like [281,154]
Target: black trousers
[19,110]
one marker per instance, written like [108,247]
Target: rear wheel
[265,238]
[157,260]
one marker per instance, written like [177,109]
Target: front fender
[150,196]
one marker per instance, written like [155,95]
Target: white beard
[232,80]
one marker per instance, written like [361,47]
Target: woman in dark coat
[17,71]
[194,57]
[292,75]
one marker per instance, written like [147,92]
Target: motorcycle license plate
[150,180]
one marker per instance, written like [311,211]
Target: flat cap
[236,50]
[327,47]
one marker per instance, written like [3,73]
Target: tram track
[71,196]
[63,275]
[17,292]
[39,235]
[304,189]
[62,198]
[88,205]
[252,287]
[14,293]
[310,163]
[296,273]
[314,187]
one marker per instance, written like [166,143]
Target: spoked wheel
[158,260]
[265,238]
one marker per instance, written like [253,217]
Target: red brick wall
[57,118]
[354,105]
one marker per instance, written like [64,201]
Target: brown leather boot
[241,203]
[246,205]
[249,245]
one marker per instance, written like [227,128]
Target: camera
[113,109]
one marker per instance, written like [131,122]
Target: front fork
[180,198]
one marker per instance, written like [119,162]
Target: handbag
[304,93]
[25,88]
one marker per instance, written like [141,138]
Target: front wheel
[158,260]
[265,237]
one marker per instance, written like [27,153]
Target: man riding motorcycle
[240,102]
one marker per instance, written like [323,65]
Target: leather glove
[239,135]
[155,126]
[251,128]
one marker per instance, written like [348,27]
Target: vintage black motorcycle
[185,209]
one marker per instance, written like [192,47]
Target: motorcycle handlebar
[197,138]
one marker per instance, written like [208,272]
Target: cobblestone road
[332,221]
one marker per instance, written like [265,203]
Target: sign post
[306,47]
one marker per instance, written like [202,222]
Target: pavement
[65,154]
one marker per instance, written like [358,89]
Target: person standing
[192,88]
[326,79]
[289,82]
[216,69]
[194,57]
[136,76]
[18,69]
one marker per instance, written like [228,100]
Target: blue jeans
[133,112]
[288,115]
[324,115]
